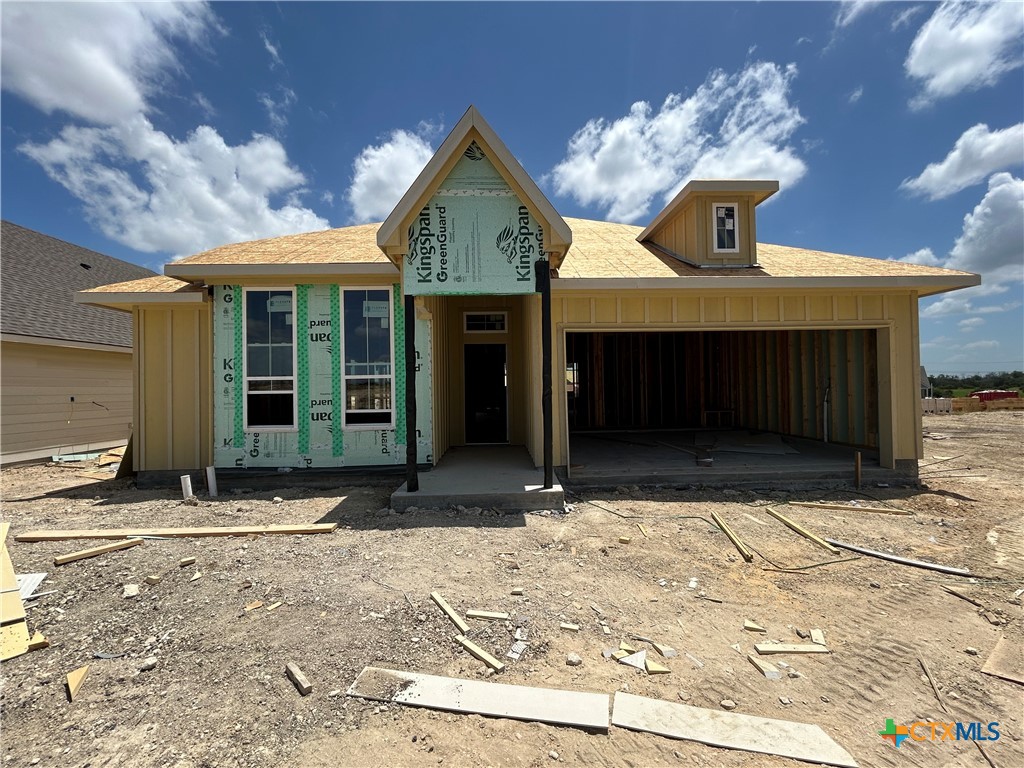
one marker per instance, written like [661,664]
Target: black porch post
[544,288]
[412,480]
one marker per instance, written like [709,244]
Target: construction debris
[480,653]
[177,533]
[769,648]
[751,626]
[570,627]
[736,542]
[517,650]
[14,639]
[253,605]
[902,560]
[75,680]
[1005,661]
[765,668]
[625,539]
[487,615]
[733,731]
[638,660]
[38,642]
[665,650]
[457,620]
[850,507]
[84,554]
[518,591]
[654,668]
[542,705]
[186,561]
[298,679]
[817,637]
[802,531]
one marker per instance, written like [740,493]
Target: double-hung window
[725,221]
[270,359]
[368,369]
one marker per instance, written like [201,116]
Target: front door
[486,393]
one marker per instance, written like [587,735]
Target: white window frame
[467,315]
[245,362]
[714,227]
[389,289]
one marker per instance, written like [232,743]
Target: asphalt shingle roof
[39,276]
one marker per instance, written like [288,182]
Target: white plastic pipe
[211,481]
[186,486]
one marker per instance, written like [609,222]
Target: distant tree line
[945,385]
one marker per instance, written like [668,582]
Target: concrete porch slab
[500,477]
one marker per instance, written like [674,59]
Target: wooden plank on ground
[480,653]
[13,640]
[1005,661]
[849,507]
[768,648]
[457,620]
[176,533]
[75,680]
[487,615]
[298,679]
[84,554]
[519,702]
[799,741]
[11,608]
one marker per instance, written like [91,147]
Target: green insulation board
[319,439]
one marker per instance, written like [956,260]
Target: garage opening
[771,388]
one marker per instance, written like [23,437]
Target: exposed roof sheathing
[39,276]
[347,245]
[155,284]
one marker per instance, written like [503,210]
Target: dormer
[711,222]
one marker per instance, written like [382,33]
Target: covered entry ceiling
[817,384]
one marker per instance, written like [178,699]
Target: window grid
[270,386]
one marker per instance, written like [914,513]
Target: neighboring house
[66,368]
[292,351]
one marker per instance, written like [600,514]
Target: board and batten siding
[892,315]
[37,416]
[173,355]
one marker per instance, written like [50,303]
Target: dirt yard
[218,695]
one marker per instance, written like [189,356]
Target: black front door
[486,394]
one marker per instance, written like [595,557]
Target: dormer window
[725,224]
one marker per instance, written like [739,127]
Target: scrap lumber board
[801,530]
[800,741]
[736,542]
[84,554]
[487,615]
[176,533]
[518,702]
[901,560]
[849,507]
[298,679]
[480,653]
[11,607]
[14,640]
[75,680]
[457,620]
[768,648]
[1005,661]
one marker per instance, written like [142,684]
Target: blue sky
[896,129]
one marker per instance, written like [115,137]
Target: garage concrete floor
[720,457]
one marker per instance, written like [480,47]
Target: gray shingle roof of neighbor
[39,276]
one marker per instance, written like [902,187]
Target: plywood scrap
[153,579]
[817,637]
[176,533]
[298,679]
[13,640]
[849,507]
[902,560]
[665,650]
[75,680]
[518,702]
[766,669]
[84,554]
[801,530]
[624,646]
[569,626]
[480,653]
[620,654]
[457,620]
[745,553]
[196,576]
[638,660]
[752,626]
[38,642]
[799,741]
[654,668]
[487,615]
[769,648]
[274,606]
[1006,661]
[253,605]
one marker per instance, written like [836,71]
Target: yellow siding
[893,315]
[175,425]
[37,417]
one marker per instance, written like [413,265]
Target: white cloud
[992,241]
[327,197]
[982,344]
[850,10]
[275,54]
[381,174]
[970,323]
[903,18]
[855,95]
[924,257]
[965,46]
[277,109]
[733,126]
[95,61]
[152,193]
[204,104]
[803,39]
[963,303]
[977,153]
